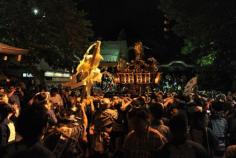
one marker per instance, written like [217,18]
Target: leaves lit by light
[207,60]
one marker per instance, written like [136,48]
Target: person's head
[2,90]
[103,123]
[105,103]
[138,119]
[53,92]
[178,127]
[156,111]
[73,94]
[115,100]
[32,123]
[221,98]
[217,108]
[4,98]
[42,88]
[108,128]
[173,110]
[65,92]
[42,98]
[22,85]
[116,103]
[12,88]
[138,102]
[199,120]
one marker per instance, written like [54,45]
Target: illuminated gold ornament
[19,58]
[138,49]
[158,78]
[88,67]
[5,58]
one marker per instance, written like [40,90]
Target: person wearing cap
[103,122]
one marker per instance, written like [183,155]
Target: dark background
[133,20]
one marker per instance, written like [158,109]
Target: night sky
[133,20]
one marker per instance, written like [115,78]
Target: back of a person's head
[156,110]
[138,102]
[108,95]
[221,97]
[217,106]
[199,102]
[41,98]
[73,94]
[54,90]
[199,119]
[138,113]
[179,123]
[42,88]
[31,122]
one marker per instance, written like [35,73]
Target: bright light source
[56,74]
[5,58]
[19,57]
[35,11]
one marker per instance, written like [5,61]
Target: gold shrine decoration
[88,67]
[131,78]
[138,49]
[5,58]
[19,57]
[138,77]
[158,78]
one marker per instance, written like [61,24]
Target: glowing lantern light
[157,79]
[5,58]
[19,58]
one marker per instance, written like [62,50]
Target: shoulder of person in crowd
[127,99]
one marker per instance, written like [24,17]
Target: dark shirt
[189,149]
[21,150]
[4,134]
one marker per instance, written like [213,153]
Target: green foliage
[207,60]
[55,32]
[200,21]
[188,47]
[207,26]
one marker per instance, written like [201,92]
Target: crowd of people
[62,123]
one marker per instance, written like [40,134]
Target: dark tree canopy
[208,27]
[202,21]
[51,29]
